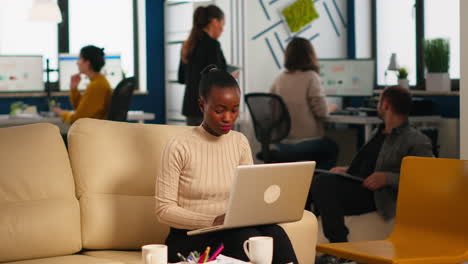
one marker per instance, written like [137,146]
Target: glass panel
[442,20]
[108,24]
[21,36]
[396,33]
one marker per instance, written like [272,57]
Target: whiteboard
[21,73]
[347,77]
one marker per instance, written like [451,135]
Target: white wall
[260,65]
[363,20]
[463,80]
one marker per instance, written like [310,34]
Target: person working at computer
[198,166]
[95,101]
[300,88]
[377,163]
[201,49]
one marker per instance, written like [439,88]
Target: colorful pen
[181,257]
[190,259]
[207,255]
[202,257]
[192,255]
[220,248]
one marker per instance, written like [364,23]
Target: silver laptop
[266,194]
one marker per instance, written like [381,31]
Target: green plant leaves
[437,55]
[402,73]
[299,14]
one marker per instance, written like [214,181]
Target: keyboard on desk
[341,112]
[359,111]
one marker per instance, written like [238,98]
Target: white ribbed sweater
[194,182]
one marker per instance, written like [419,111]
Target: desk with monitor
[369,122]
[7,120]
[20,73]
[67,63]
[347,78]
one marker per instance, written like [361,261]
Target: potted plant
[437,60]
[402,74]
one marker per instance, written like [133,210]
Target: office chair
[121,98]
[271,120]
[433,135]
[272,123]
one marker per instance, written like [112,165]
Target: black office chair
[121,98]
[271,120]
[272,123]
[433,135]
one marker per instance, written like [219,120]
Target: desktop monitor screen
[21,73]
[112,70]
[347,77]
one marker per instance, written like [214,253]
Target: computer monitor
[21,73]
[347,77]
[112,70]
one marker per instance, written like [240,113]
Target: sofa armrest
[303,236]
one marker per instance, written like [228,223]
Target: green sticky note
[299,14]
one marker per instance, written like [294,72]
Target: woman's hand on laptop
[339,169]
[219,220]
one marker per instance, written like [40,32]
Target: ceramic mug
[259,249]
[154,254]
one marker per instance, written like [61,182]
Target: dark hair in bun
[211,77]
[95,56]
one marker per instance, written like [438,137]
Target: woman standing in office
[301,89]
[94,103]
[198,51]
[198,166]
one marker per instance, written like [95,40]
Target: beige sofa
[95,203]
[365,227]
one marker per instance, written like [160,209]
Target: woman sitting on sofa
[198,167]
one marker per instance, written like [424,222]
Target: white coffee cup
[259,249]
[154,254]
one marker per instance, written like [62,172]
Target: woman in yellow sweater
[198,168]
[95,101]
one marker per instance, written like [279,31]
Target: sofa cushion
[72,259]
[115,165]
[303,236]
[364,227]
[39,212]
[127,257]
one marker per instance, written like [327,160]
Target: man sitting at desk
[95,101]
[377,163]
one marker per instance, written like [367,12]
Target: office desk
[6,121]
[140,117]
[369,122]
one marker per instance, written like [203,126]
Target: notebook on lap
[266,194]
[341,174]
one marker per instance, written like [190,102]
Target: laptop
[266,194]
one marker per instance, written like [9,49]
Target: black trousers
[233,240]
[333,198]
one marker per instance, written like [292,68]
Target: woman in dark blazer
[200,50]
